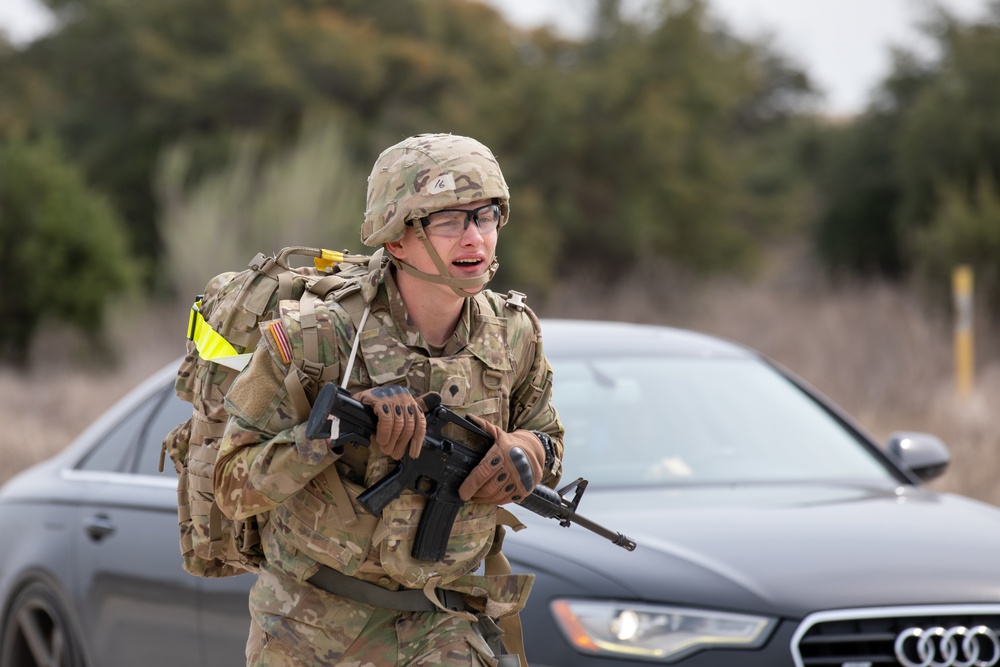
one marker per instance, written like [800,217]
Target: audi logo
[948,647]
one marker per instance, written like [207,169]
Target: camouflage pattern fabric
[427,173]
[232,305]
[493,367]
[211,544]
[295,624]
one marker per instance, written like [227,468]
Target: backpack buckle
[515,301]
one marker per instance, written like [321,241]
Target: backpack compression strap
[211,345]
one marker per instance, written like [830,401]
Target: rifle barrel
[546,502]
[618,539]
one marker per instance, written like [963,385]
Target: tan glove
[401,421]
[509,471]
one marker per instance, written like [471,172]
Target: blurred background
[801,177]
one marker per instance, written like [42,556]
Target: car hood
[786,550]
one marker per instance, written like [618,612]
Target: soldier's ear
[395,248]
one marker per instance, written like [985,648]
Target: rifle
[436,473]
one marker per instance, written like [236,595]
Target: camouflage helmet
[426,173]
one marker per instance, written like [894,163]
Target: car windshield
[679,420]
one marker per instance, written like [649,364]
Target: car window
[681,420]
[112,452]
[169,412]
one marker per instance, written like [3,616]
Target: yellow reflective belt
[211,345]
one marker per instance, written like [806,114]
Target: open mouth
[467,263]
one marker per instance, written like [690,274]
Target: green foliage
[63,254]
[965,230]
[952,130]
[857,230]
[908,185]
[665,140]
[306,195]
[122,81]
[644,150]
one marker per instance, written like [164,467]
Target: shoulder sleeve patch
[282,336]
[276,330]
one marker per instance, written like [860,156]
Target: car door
[224,618]
[223,615]
[142,607]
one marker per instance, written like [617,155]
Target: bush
[965,230]
[63,251]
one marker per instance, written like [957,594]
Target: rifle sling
[343,585]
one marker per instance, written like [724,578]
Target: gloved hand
[510,470]
[401,421]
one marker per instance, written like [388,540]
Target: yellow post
[961,283]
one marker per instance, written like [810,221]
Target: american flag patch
[284,347]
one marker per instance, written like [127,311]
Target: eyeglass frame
[471,215]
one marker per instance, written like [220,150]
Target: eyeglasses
[452,223]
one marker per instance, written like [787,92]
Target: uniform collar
[411,336]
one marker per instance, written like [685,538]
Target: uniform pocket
[386,359]
[450,377]
[309,521]
[470,539]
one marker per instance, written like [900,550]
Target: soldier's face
[466,256]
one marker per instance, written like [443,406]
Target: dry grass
[67,388]
[873,349]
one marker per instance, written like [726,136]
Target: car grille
[946,636]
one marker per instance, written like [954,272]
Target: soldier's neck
[434,309]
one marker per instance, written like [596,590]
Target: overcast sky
[842,44]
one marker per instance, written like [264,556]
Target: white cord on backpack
[354,348]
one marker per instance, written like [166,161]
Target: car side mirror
[925,455]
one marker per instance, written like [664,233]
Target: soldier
[338,586]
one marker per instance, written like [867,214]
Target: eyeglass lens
[454,222]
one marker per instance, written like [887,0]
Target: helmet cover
[427,173]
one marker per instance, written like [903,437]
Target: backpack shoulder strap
[354,290]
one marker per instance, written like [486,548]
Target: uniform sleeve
[265,456]
[531,397]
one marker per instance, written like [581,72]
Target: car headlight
[654,632]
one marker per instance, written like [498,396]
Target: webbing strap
[497,564]
[326,284]
[343,585]
[310,332]
[297,394]
[211,345]
[285,281]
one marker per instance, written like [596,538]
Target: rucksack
[222,335]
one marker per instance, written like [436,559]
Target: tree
[857,231]
[120,82]
[642,151]
[63,251]
[907,185]
[636,144]
[965,230]
[950,134]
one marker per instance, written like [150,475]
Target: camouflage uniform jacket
[493,366]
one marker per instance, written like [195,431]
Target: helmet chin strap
[457,285]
